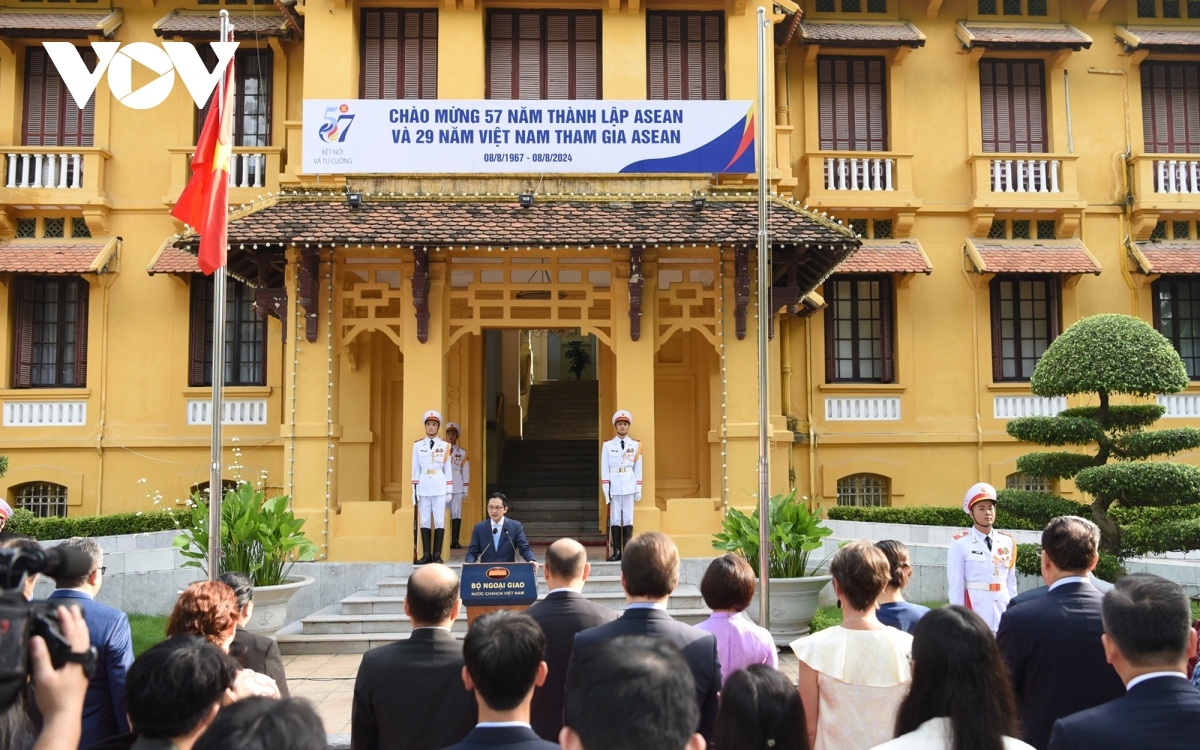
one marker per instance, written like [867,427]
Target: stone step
[369,612]
[294,640]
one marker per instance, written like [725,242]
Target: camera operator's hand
[60,692]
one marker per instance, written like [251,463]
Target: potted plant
[578,357]
[259,537]
[795,534]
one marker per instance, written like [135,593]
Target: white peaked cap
[453,426]
[622,414]
[977,492]
[432,414]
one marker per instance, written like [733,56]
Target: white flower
[138,513]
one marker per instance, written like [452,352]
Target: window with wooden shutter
[685,55]
[1171,107]
[252,98]
[1177,316]
[550,54]
[858,329]
[51,117]
[245,335]
[1025,320]
[852,103]
[1012,100]
[399,54]
[51,332]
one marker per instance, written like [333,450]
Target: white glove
[606,498]
[414,495]
[637,497]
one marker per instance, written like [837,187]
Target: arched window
[43,499]
[864,491]
[1019,480]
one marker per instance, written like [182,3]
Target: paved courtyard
[328,683]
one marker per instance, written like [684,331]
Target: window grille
[79,228]
[53,227]
[43,499]
[1047,230]
[1022,481]
[863,491]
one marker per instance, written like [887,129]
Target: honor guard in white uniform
[461,468]
[432,480]
[981,563]
[621,480]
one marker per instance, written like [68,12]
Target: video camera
[20,619]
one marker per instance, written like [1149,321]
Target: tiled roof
[887,256]
[1021,36]
[1171,257]
[204,24]
[1031,256]
[61,24]
[170,259]
[64,256]
[861,34]
[550,222]
[1162,39]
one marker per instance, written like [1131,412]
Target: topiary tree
[1109,355]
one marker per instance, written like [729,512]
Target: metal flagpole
[764,310]
[216,492]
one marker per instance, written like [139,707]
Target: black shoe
[615,533]
[455,527]
[439,535]
[428,557]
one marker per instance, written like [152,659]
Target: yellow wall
[342,415]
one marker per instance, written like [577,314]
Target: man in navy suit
[1051,645]
[649,573]
[498,539]
[1147,639]
[502,663]
[104,710]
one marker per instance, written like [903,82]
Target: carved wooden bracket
[785,291]
[308,291]
[272,302]
[636,284]
[420,292]
[741,289]
[268,300]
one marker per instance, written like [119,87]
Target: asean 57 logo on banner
[336,125]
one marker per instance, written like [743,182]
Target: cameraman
[60,692]
[26,544]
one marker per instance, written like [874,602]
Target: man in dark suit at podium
[563,613]
[498,539]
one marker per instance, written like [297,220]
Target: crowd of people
[1066,669]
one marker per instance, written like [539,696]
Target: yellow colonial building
[1010,166]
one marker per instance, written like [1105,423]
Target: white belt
[980,586]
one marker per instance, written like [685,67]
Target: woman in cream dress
[853,677]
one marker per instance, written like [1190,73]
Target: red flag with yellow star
[204,203]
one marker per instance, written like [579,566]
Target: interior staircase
[375,617]
[552,476]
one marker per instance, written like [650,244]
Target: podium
[488,587]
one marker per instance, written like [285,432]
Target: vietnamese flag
[204,203]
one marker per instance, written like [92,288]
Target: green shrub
[926,516]
[1029,563]
[24,522]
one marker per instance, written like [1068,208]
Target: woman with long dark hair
[760,710]
[960,698]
